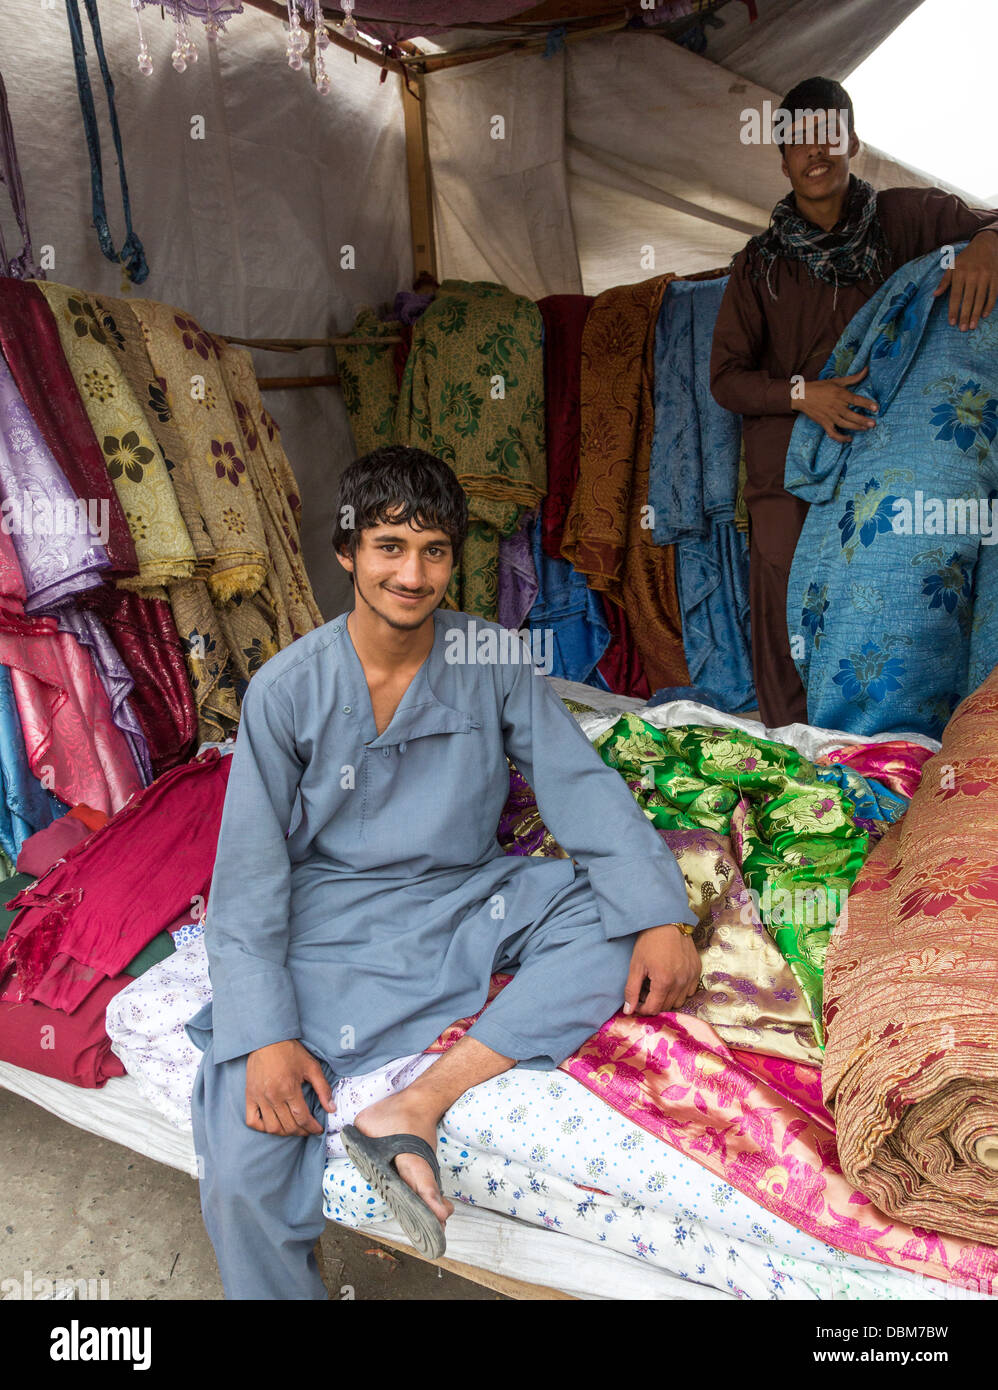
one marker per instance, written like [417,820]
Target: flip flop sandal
[374,1159]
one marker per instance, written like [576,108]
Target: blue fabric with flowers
[892,605]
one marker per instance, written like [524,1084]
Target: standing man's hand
[972,282]
[668,960]
[275,1103]
[833,406]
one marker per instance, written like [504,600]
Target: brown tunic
[759,343]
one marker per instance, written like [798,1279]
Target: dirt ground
[78,1207]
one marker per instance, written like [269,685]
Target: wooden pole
[424,251]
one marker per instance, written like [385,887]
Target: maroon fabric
[145,634]
[93,913]
[29,339]
[564,318]
[71,1047]
[621,666]
[40,850]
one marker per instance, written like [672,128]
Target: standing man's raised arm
[590,811]
[249,903]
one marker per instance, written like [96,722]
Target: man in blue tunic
[360,900]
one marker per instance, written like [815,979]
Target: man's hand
[668,960]
[972,282]
[274,1100]
[833,406]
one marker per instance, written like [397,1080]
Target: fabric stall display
[894,590]
[287,585]
[793,837]
[145,634]
[368,382]
[911,1069]
[232,550]
[473,394]
[142,868]
[27,806]
[565,606]
[518,584]
[567,619]
[93,347]
[604,536]
[674,1077]
[248,598]
[747,992]
[60,559]
[564,317]
[71,742]
[894,763]
[31,345]
[620,666]
[73,1047]
[692,485]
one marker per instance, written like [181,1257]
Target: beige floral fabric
[292,602]
[186,358]
[94,348]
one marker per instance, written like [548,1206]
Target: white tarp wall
[616,144]
[242,228]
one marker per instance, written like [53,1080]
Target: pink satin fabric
[73,745]
[757,1125]
[896,763]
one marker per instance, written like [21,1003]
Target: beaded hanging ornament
[214,13]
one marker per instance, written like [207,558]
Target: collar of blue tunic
[420,711]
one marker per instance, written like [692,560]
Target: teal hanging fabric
[132,255]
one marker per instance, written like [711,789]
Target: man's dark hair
[396,484]
[817,94]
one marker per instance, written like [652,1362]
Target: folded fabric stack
[911,1069]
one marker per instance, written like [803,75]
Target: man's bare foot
[397,1114]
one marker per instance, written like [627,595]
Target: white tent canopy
[621,158]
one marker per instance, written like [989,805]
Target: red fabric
[90,817]
[41,850]
[621,666]
[30,342]
[564,318]
[145,634]
[113,893]
[73,1048]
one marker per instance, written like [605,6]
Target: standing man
[360,900]
[831,243]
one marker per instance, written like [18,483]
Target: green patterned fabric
[368,383]
[794,836]
[473,394]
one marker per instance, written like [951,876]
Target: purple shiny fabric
[58,552]
[114,676]
[518,587]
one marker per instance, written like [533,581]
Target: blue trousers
[261,1194]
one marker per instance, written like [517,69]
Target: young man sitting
[360,901]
